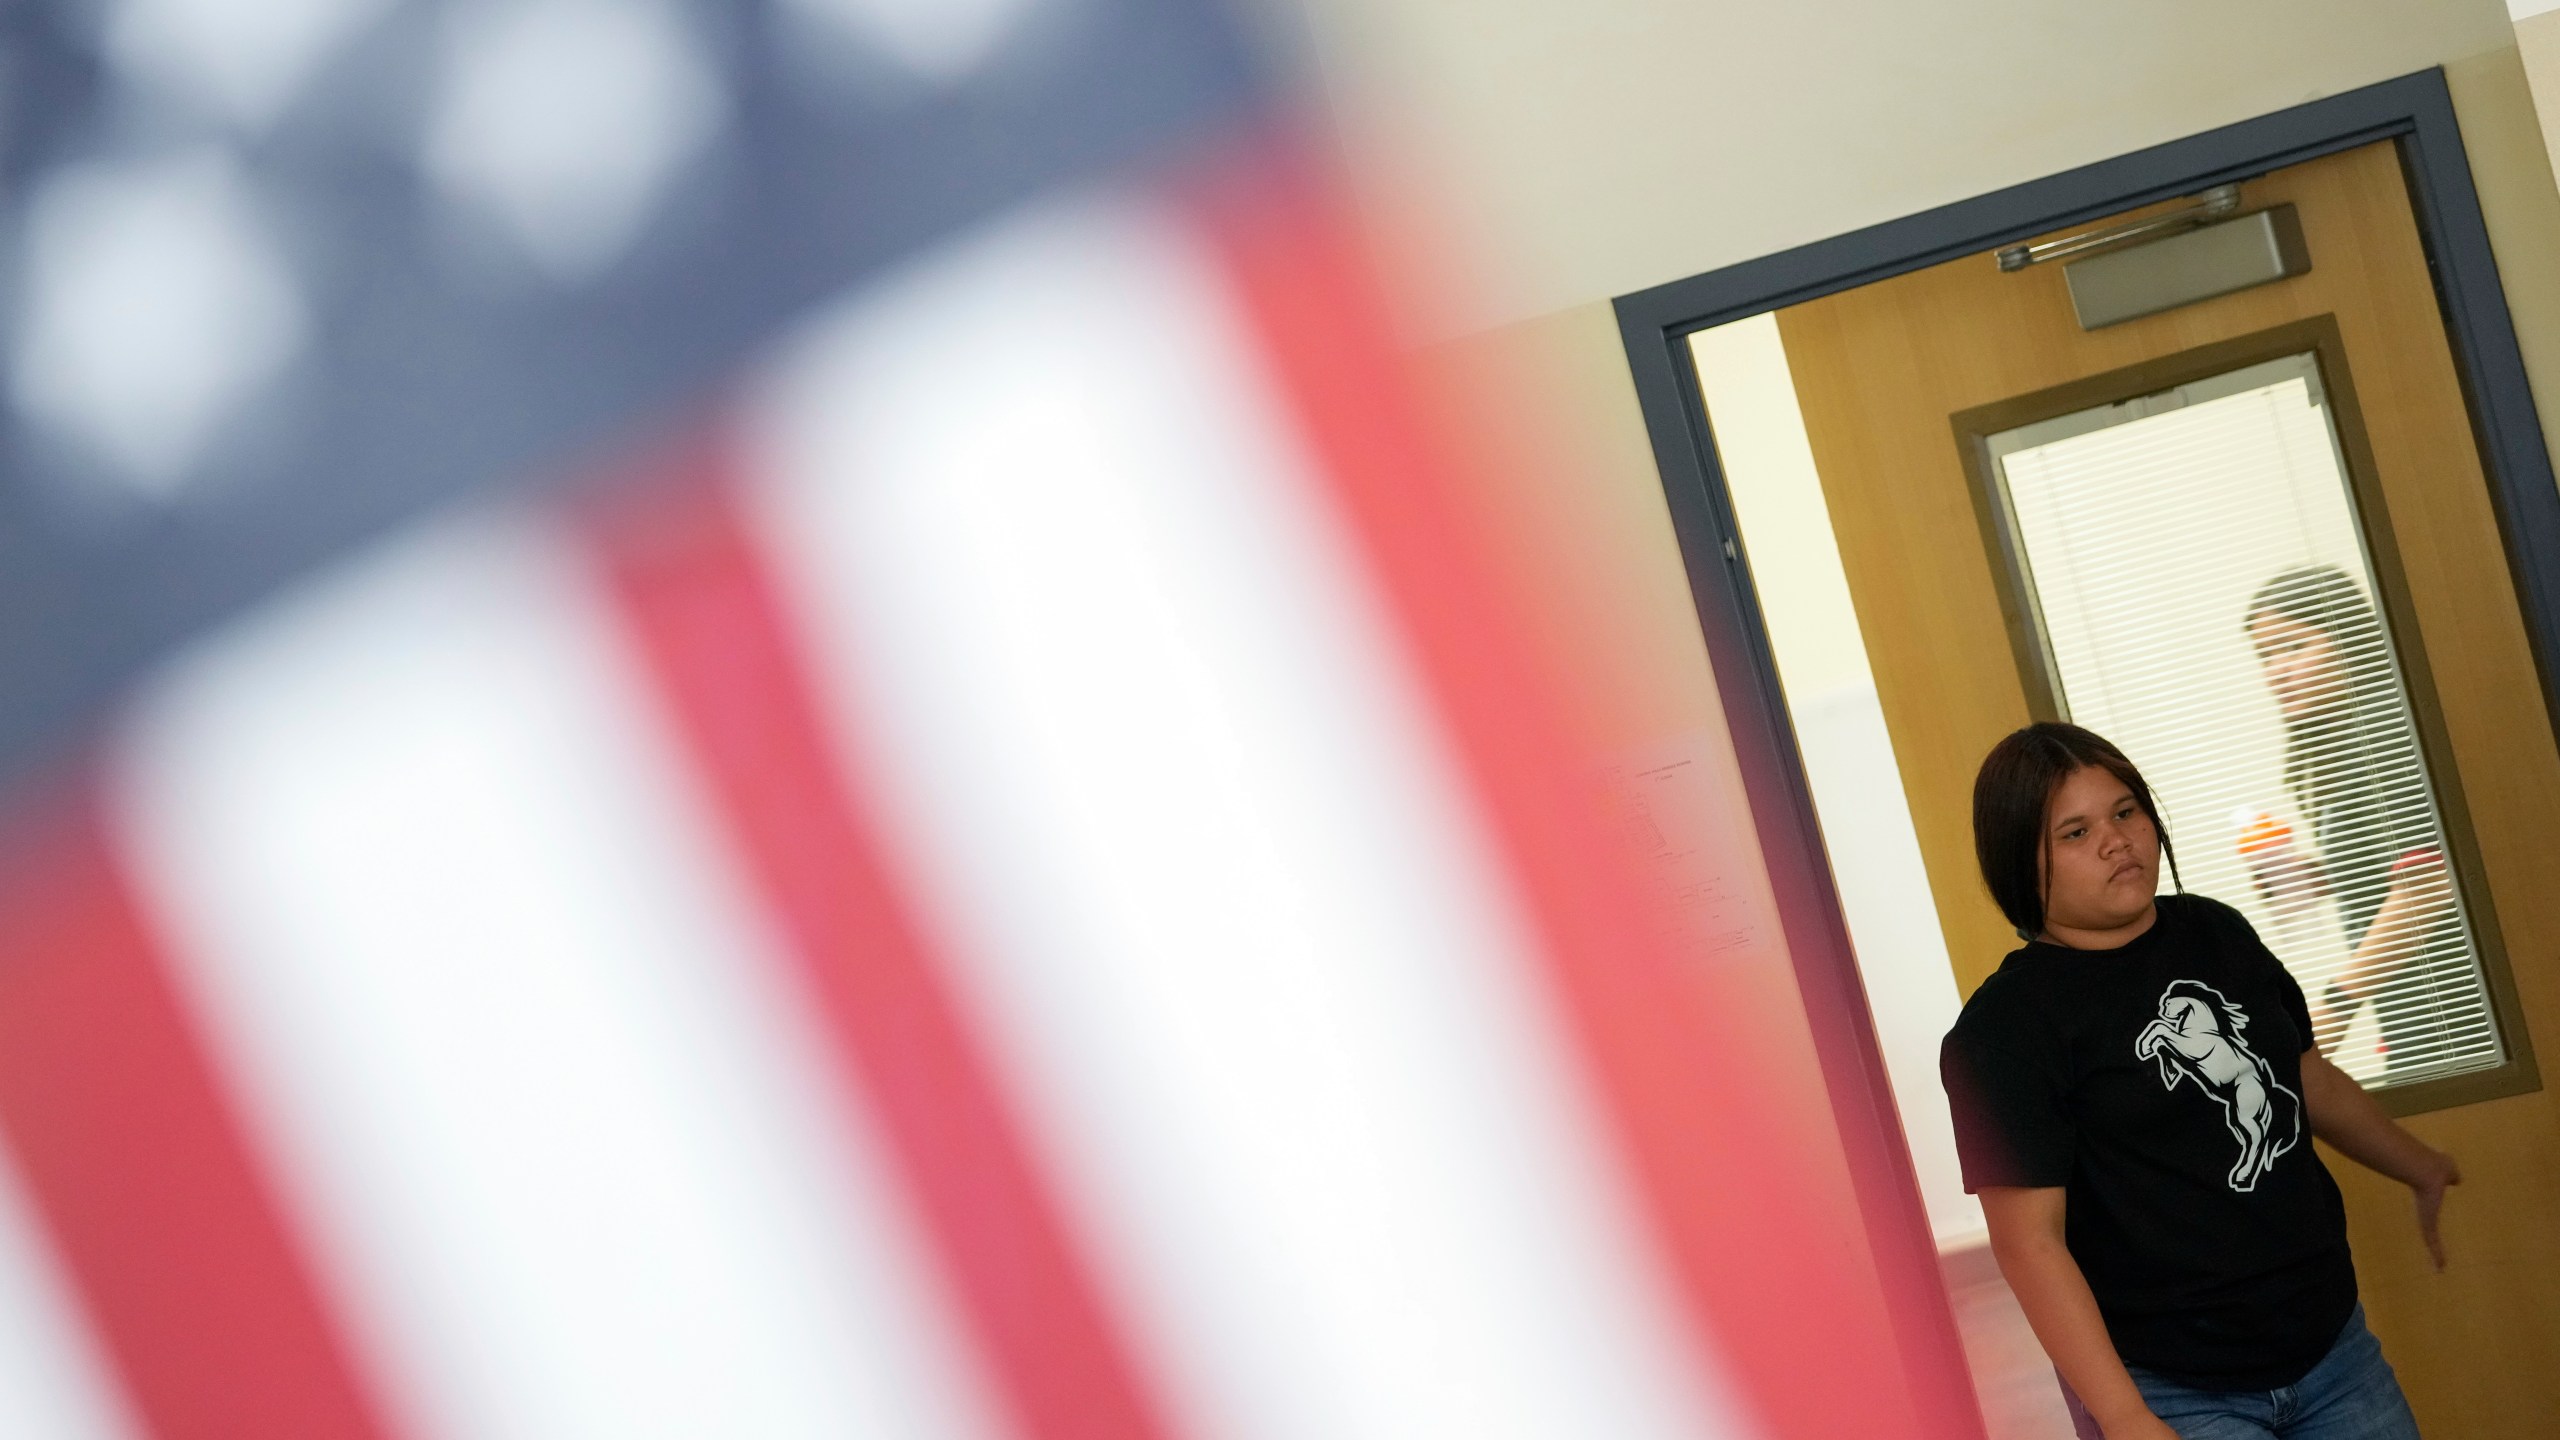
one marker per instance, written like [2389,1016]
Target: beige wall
[2538,37]
[1597,147]
[2513,171]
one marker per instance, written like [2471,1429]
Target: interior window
[2193,570]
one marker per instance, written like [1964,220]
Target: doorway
[1927,495]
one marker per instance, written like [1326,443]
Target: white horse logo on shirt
[2197,1037]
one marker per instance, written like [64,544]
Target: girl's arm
[2026,1238]
[2420,894]
[2345,1116]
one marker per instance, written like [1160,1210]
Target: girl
[2352,765]
[2135,1093]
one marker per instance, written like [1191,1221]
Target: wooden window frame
[2317,336]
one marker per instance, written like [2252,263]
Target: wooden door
[1882,370]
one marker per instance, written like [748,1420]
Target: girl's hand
[2428,1190]
[2145,1426]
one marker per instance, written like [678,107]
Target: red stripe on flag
[143,1175]
[1722,1176]
[715,637]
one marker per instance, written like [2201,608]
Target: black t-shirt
[2160,1083]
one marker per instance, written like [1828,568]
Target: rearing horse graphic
[2197,1037]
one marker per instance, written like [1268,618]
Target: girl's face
[2101,854]
[2301,664]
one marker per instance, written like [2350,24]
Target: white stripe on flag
[1121,688]
[544,1100]
[55,1381]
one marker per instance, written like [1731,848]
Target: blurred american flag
[764,719]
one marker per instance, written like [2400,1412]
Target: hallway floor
[2021,1398]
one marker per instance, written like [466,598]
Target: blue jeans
[2350,1395]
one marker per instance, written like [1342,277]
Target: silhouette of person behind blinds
[2353,767]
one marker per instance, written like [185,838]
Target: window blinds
[2282,752]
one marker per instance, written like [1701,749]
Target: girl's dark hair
[2324,598]
[2320,596]
[2010,792]
[2347,763]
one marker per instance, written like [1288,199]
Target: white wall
[1831,695]
[1579,151]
